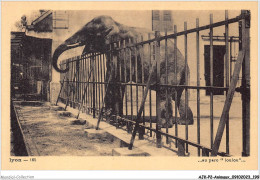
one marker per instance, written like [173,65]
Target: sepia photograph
[137,83]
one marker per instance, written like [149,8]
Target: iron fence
[122,70]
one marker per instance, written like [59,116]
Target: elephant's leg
[118,99]
[181,108]
[114,99]
[164,106]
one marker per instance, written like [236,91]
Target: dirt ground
[55,136]
[235,122]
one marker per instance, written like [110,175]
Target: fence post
[244,28]
[205,152]
[181,148]
[158,110]
[92,63]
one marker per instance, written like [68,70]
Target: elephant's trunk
[60,49]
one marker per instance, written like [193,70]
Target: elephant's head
[94,35]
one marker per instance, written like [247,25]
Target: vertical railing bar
[88,90]
[245,46]
[71,82]
[63,76]
[83,80]
[101,78]
[94,88]
[142,64]
[150,92]
[125,78]
[136,77]
[136,81]
[158,99]
[166,82]
[131,81]
[80,75]
[227,76]
[105,68]
[186,83]
[230,56]
[66,85]
[198,83]
[77,80]
[96,84]
[74,82]
[61,84]
[99,93]
[66,80]
[120,78]
[89,100]
[211,82]
[176,83]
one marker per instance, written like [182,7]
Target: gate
[84,87]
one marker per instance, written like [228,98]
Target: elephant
[97,35]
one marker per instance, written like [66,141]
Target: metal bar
[142,106]
[158,98]
[80,79]
[91,87]
[150,92]
[77,81]
[85,90]
[73,83]
[181,148]
[84,79]
[71,87]
[98,73]
[227,77]
[94,88]
[96,83]
[238,89]
[100,115]
[213,25]
[131,81]
[176,83]
[104,75]
[136,77]
[141,52]
[245,30]
[205,152]
[116,74]
[166,82]
[61,88]
[121,105]
[211,82]
[186,83]
[101,78]
[228,102]
[89,56]
[198,83]
[125,78]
